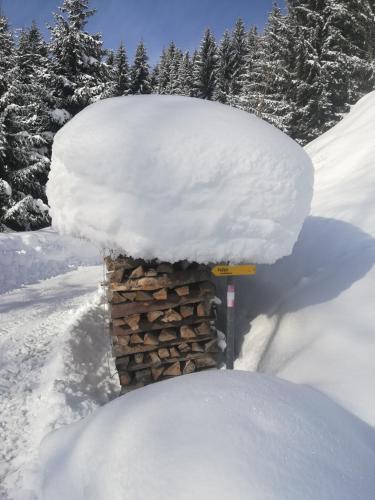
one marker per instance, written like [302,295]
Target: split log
[118,322]
[161,294]
[154,315]
[133,321]
[143,376]
[195,347]
[187,332]
[202,309]
[186,311]
[173,370]
[183,347]
[154,357]
[123,340]
[167,281]
[150,339]
[205,362]
[171,315]
[137,273]
[203,329]
[122,363]
[174,353]
[163,353]
[212,346]
[136,339]
[167,334]
[182,290]
[157,372]
[138,358]
[189,367]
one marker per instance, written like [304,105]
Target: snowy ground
[54,368]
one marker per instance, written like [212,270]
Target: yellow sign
[244,270]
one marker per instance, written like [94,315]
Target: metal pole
[230,322]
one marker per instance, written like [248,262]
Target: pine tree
[168,68]
[28,131]
[119,84]
[239,47]
[225,69]
[78,64]
[185,76]
[140,72]
[205,68]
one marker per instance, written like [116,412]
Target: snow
[314,312]
[175,177]
[31,256]
[213,435]
[54,369]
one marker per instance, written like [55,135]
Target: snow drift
[316,312]
[213,435]
[175,177]
[31,256]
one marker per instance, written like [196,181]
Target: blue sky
[156,21]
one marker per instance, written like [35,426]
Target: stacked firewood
[162,319]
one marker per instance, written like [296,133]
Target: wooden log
[125,378]
[182,290]
[167,334]
[137,273]
[122,363]
[126,263]
[186,311]
[142,296]
[164,281]
[163,353]
[173,352]
[203,329]
[183,347]
[154,315]
[171,315]
[195,347]
[138,358]
[212,346]
[207,361]
[189,367]
[118,322]
[182,358]
[202,309]
[187,333]
[132,349]
[165,268]
[120,297]
[150,339]
[123,340]
[133,321]
[143,376]
[136,339]
[146,326]
[173,370]
[161,294]
[173,300]
[154,357]
[157,372]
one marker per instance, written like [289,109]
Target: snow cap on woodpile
[179,178]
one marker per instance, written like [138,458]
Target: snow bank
[316,312]
[176,177]
[31,256]
[213,435]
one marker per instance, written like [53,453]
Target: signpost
[230,272]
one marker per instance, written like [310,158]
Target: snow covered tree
[119,77]
[140,72]
[205,68]
[225,69]
[28,128]
[185,76]
[239,51]
[77,57]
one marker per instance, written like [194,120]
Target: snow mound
[176,177]
[31,256]
[213,435]
[316,315]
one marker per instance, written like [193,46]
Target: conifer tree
[140,72]
[119,73]
[185,76]
[225,69]
[239,48]
[205,68]
[77,55]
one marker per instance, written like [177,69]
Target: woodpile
[162,319]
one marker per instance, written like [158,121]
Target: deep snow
[55,368]
[213,435]
[175,177]
[314,310]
